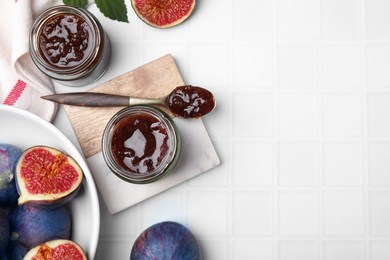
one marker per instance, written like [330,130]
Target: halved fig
[163,13]
[56,250]
[47,176]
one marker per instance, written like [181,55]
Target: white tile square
[297,19]
[342,114]
[379,163]
[179,51]
[176,33]
[252,163]
[212,55]
[252,213]
[252,250]
[343,213]
[259,74]
[213,249]
[297,114]
[297,65]
[258,22]
[343,163]
[378,113]
[341,66]
[115,29]
[378,65]
[113,249]
[133,52]
[298,163]
[380,250]
[379,210]
[122,223]
[298,213]
[343,250]
[218,122]
[167,205]
[205,24]
[207,213]
[298,250]
[253,114]
[340,19]
[378,20]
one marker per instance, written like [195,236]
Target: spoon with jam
[185,101]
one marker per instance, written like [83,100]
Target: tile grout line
[366,219]
[320,180]
[142,57]
[275,204]
[186,191]
[230,207]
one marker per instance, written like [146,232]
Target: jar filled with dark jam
[141,144]
[69,45]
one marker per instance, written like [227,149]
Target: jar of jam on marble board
[69,45]
[141,144]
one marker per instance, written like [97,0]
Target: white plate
[24,129]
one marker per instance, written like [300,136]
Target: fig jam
[139,143]
[189,101]
[69,45]
[65,40]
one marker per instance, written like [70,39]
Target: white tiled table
[302,128]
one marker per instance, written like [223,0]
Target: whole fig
[166,240]
[4,231]
[14,251]
[31,226]
[9,156]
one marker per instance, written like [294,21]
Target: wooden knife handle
[89,99]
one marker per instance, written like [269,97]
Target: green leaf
[113,9]
[79,3]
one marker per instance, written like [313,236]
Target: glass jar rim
[166,165]
[41,20]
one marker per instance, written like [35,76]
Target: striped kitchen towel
[21,83]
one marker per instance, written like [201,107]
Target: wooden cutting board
[154,79]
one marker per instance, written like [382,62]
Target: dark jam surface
[65,40]
[139,143]
[190,101]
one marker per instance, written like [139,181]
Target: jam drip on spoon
[189,101]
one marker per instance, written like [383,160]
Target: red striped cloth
[15,93]
[21,83]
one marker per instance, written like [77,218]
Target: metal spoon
[185,101]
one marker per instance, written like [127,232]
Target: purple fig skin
[55,203]
[4,231]
[14,251]
[9,156]
[31,226]
[166,240]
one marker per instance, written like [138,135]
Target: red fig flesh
[163,13]
[46,175]
[56,250]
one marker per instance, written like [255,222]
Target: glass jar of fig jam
[69,45]
[141,144]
